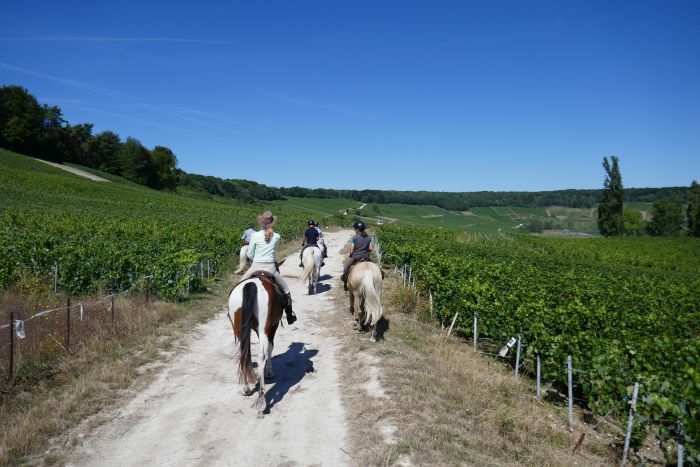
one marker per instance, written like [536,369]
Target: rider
[321,241]
[311,237]
[359,250]
[262,249]
[246,235]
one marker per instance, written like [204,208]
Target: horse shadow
[325,277]
[289,369]
[320,288]
[382,328]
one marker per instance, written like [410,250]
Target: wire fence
[28,338]
[513,351]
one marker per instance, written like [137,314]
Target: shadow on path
[289,369]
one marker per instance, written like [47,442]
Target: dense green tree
[666,218]
[610,206]
[633,221]
[164,176]
[105,149]
[135,162]
[694,209]
[22,122]
[76,144]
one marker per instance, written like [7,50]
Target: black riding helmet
[311,223]
[359,225]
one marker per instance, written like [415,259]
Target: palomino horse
[242,259]
[312,258]
[365,291]
[252,302]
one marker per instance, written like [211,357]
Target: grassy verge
[442,404]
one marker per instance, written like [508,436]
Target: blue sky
[431,95]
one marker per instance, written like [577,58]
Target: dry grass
[55,390]
[94,375]
[448,405]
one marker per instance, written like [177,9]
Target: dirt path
[193,413]
[75,171]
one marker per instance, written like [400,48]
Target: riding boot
[291,317]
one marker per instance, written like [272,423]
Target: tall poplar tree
[694,209]
[610,206]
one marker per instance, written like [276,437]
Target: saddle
[266,276]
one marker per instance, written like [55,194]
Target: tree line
[462,201]
[667,217]
[39,130]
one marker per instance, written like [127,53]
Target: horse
[242,259]
[365,291]
[254,302]
[312,259]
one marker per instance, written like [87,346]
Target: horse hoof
[248,392]
[372,339]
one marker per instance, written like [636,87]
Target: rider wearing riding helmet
[359,250]
[311,236]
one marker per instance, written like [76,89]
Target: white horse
[253,306]
[312,259]
[242,259]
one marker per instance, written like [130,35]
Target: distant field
[485,219]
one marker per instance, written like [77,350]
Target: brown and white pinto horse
[365,291]
[252,302]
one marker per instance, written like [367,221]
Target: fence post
[630,422]
[148,287]
[208,270]
[476,334]
[538,387]
[431,303]
[681,439]
[449,331]
[114,286]
[68,323]
[517,356]
[55,277]
[681,444]
[12,348]
[570,384]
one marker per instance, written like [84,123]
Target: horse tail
[373,304]
[308,266]
[245,364]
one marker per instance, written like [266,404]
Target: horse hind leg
[264,364]
[268,362]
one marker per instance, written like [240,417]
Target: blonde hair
[268,234]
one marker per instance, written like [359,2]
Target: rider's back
[262,251]
[361,246]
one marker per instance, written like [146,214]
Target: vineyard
[626,310]
[107,235]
